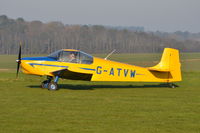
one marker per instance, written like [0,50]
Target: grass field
[96,107]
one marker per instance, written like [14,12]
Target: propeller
[18,60]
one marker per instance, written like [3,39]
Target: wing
[75,73]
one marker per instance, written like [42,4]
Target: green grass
[89,107]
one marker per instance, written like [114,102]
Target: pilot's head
[72,55]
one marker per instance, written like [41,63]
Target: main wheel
[44,84]
[52,86]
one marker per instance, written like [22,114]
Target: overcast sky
[163,15]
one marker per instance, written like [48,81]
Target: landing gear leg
[53,84]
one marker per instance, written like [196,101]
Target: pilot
[72,57]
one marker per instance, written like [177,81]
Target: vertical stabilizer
[169,63]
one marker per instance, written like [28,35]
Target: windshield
[72,57]
[55,54]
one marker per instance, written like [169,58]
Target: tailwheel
[52,86]
[171,85]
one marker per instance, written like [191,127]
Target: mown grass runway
[100,106]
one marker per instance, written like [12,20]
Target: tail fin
[169,63]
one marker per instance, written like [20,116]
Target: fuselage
[100,69]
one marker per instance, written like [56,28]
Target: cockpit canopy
[72,56]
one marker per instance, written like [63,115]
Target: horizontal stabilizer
[159,69]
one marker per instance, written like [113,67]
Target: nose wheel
[49,84]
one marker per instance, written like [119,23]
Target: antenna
[109,54]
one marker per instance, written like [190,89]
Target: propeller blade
[18,60]
[18,65]
[19,55]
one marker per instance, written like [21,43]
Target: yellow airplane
[77,65]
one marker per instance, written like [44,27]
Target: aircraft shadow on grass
[92,87]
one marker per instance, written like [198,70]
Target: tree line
[43,38]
